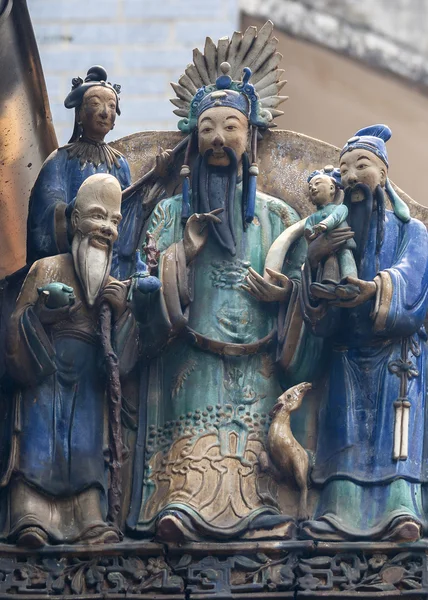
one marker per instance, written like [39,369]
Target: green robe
[210,393]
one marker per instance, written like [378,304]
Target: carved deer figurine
[285,452]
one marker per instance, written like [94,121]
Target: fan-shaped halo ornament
[210,81]
[250,54]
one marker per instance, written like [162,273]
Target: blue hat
[370,138]
[332,172]
[241,95]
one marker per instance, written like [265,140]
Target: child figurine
[325,191]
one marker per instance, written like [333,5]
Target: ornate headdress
[209,82]
[96,76]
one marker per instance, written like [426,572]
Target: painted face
[97,209]
[321,190]
[361,166]
[221,127]
[100,220]
[95,220]
[98,112]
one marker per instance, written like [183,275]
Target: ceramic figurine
[210,392]
[325,193]
[58,479]
[96,104]
[370,458]
[288,456]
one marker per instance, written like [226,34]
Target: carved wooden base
[295,569]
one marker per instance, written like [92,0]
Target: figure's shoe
[321,531]
[347,291]
[325,291]
[100,535]
[404,532]
[171,528]
[282,531]
[32,537]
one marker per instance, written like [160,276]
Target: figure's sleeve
[175,276]
[30,356]
[153,322]
[402,289]
[162,314]
[299,352]
[130,228]
[47,223]
[125,342]
[135,211]
[175,294]
[311,221]
[124,173]
[336,217]
[320,318]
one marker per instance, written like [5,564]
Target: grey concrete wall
[331,97]
[391,35]
[143,44]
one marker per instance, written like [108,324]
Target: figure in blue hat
[325,191]
[371,458]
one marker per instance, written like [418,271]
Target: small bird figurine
[285,452]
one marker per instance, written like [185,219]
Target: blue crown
[240,95]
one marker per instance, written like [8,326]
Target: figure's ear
[79,114]
[74,220]
[383,176]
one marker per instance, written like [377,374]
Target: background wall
[143,44]
[355,63]
[349,64]
[332,96]
[385,34]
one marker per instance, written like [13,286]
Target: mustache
[359,186]
[230,153]
[101,237]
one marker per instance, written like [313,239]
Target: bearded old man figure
[371,453]
[58,470]
[210,393]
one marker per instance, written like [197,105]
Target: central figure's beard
[215,187]
[92,264]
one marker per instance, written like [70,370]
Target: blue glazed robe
[56,187]
[356,423]
[61,404]
[207,404]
